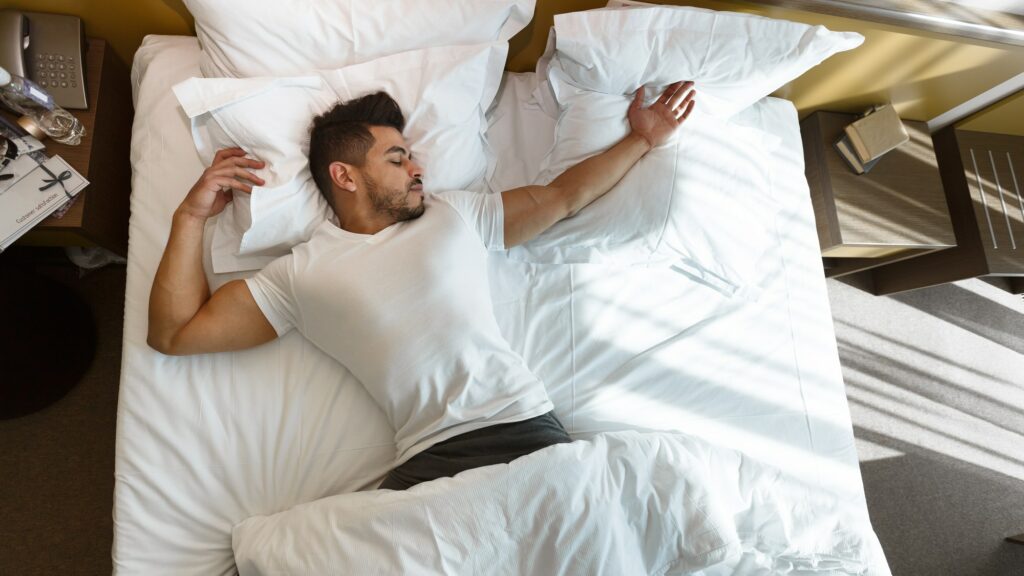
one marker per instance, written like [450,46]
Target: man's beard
[392,202]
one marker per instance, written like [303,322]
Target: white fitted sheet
[204,442]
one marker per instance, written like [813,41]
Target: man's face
[391,180]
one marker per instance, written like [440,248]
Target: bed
[205,442]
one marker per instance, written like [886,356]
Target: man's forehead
[387,138]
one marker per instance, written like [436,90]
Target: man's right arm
[183,317]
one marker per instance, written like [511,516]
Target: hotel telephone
[49,50]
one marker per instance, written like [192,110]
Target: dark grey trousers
[498,444]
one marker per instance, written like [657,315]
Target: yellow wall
[1003,117]
[122,23]
[922,73]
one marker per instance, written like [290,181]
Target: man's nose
[415,170]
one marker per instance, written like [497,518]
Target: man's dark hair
[342,134]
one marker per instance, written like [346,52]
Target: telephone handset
[49,50]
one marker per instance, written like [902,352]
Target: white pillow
[734,59]
[701,201]
[294,37]
[443,93]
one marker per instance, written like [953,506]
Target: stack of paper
[35,192]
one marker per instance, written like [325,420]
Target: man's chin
[412,212]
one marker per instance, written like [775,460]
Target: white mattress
[204,442]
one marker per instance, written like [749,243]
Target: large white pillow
[701,201]
[734,59]
[294,37]
[443,93]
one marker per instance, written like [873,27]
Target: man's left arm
[531,210]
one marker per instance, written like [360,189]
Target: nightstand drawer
[992,175]
[983,176]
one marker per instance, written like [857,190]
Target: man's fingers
[240,173]
[226,182]
[686,112]
[239,161]
[235,166]
[250,162]
[685,89]
[680,94]
[244,174]
[669,92]
[678,107]
[227,153]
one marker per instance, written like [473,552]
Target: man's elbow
[163,344]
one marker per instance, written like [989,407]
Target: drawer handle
[981,192]
[1002,201]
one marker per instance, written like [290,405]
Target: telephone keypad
[56,70]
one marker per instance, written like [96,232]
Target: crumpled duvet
[620,503]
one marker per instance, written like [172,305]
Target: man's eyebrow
[398,149]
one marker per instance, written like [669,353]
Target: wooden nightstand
[100,216]
[983,175]
[894,212]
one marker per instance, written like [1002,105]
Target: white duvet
[619,503]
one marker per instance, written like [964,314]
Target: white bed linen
[207,441]
[622,503]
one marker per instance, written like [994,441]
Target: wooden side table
[983,175]
[100,216]
[894,212]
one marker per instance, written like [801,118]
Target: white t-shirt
[408,311]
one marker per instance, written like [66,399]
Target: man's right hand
[213,190]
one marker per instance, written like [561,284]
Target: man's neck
[363,221]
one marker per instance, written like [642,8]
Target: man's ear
[341,175]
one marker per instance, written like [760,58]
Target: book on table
[876,133]
[847,153]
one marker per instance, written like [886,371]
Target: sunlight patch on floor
[932,370]
[868,451]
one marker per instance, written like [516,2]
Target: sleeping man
[397,290]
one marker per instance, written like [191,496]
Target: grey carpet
[57,480]
[934,379]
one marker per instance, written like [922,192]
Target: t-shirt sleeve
[484,213]
[272,289]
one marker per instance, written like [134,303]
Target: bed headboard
[923,73]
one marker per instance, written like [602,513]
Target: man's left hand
[656,123]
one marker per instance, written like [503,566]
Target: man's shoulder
[465,200]
[452,201]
